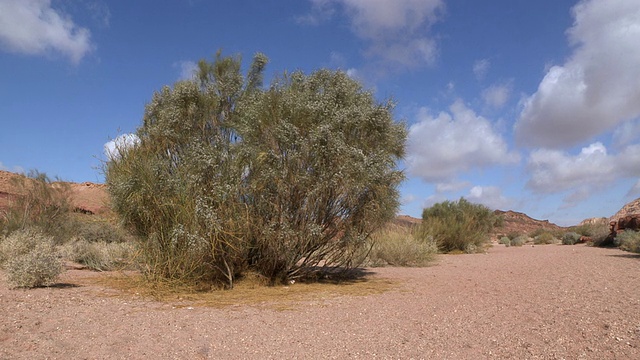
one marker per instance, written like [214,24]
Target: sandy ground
[542,302]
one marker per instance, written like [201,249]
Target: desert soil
[542,302]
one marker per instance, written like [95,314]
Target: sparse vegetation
[458,226]
[30,259]
[40,203]
[100,256]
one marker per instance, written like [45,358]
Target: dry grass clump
[100,256]
[398,246]
[30,259]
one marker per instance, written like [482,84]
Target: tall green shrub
[458,225]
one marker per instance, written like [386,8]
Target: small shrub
[30,259]
[519,240]
[513,235]
[544,238]
[570,238]
[506,241]
[629,241]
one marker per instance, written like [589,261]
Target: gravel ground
[542,302]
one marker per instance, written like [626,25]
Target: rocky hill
[631,208]
[595,221]
[517,222]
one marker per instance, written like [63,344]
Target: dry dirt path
[542,302]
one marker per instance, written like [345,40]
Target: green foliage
[400,247]
[629,240]
[505,241]
[29,258]
[570,238]
[459,225]
[228,176]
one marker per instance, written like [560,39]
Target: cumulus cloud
[597,88]
[395,30]
[480,68]
[554,171]
[115,147]
[33,27]
[438,148]
[497,95]
[489,196]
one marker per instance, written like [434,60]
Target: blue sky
[526,105]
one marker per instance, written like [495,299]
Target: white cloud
[115,147]
[480,68]
[554,171]
[497,95]
[395,30]
[597,88]
[451,186]
[33,27]
[188,69]
[489,196]
[438,148]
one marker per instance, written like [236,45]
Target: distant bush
[629,240]
[505,241]
[519,240]
[30,259]
[570,238]
[544,238]
[458,226]
[399,247]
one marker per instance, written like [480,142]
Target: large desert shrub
[29,258]
[458,225]
[227,176]
[321,173]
